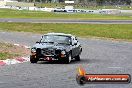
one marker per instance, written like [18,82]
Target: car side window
[72,40]
[76,39]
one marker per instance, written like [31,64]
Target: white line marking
[114,67]
[16,44]
[9,21]
[27,47]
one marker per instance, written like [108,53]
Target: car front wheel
[33,59]
[68,59]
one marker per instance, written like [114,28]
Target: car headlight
[63,52]
[33,50]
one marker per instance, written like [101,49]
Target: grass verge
[8,13]
[6,55]
[9,51]
[115,31]
[62,5]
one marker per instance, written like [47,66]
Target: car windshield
[56,39]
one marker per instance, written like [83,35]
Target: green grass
[3,55]
[116,31]
[7,13]
[62,5]
[6,55]
[50,5]
[105,7]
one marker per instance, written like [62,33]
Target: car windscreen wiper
[47,42]
[63,43]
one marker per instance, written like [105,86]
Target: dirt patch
[9,51]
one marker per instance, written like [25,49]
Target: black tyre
[68,59]
[81,80]
[65,11]
[33,59]
[77,58]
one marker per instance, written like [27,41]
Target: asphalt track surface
[98,57]
[65,21]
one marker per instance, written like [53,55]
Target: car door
[78,47]
[75,46]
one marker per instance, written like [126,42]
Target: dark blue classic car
[56,46]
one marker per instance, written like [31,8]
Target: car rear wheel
[33,59]
[77,58]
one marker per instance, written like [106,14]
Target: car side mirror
[75,43]
[38,42]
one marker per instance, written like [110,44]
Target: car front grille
[47,51]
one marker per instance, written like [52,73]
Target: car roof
[63,34]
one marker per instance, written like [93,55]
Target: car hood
[48,45]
